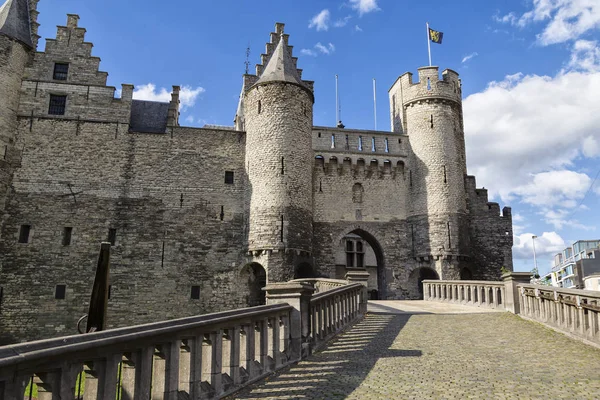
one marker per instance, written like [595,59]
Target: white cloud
[319,48]
[320,21]
[566,19]
[308,52]
[364,6]
[585,56]
[468,57]
[546,245]
[342,22]
[189,119]
[357,28]
[525,133]
[187,94]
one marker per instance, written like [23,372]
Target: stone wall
[177,224]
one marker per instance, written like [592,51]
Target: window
[360,143]
[229,177]
[387,145]
[60,292]
[355,254]
[109,291]
[333,141]
[195,295]
[373,148]
[61,70]
[259,107]
[24,233]
[57,104]
[67,232]
[112,236]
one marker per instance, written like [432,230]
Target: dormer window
[61,70]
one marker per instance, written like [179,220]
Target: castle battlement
[373,167]
[429,86]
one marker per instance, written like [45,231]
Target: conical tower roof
[14,21]
[281,67]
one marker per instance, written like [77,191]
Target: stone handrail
[572,311]
[323,284]
[205,357]
[474,293]
[334,310]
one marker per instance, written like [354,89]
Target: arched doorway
[255,277]
[358,248]
[466,274]
[419,275]
[304,270]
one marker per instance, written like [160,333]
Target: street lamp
[533,237]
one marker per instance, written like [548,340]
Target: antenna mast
[247,63]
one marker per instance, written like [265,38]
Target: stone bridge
[318,339]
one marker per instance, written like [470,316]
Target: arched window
[259,107]
[357,193]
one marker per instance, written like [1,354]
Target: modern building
[201,218]
[575,263]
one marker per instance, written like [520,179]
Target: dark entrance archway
[421,274]
[466,274]
[381,291]
[304,270]
[255,277]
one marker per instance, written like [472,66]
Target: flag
[435,36]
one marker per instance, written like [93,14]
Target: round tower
[430,112]
[278,122]
[16,45]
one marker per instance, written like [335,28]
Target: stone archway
[255,277]
[466,274]
[304,270]
[419,275]
[378,290]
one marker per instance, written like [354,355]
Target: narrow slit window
[428,84]
[347,143]
[67,233]
[360,144]
[57,105]
[195,294]
[373,148]
[109,291]
[24,233]
[112,236]
[333,141]
[282,166]
[61,71]
[445,178]
[259,107]
[229,177]
[431,120]
[387,145]
[60,292]
[222,214]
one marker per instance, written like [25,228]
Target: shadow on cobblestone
[341,367]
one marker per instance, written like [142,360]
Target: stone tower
[430,113]
[18,39]
[277,108]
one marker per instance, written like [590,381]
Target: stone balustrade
[474,293]
[572,311]
[207,356]
[323,284]
[334,310]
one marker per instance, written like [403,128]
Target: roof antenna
[247,63]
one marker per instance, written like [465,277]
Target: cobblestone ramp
[428,355]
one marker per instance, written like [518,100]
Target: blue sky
[530,71]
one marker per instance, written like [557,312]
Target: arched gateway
[359,249]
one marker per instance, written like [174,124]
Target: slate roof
[280,67]
[14,21]
[148,116]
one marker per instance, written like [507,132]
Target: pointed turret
[281,67]
[15,22]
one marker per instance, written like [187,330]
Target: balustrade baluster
[274,347]
[284,335]
[158,373]
[248,344]
[234,355]
[264,345]
[14,388]
[216,339]
[185,368]
[48,385]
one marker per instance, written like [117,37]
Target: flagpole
[375,102]
[337,102]
[428,44]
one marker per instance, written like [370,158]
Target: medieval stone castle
[200,218]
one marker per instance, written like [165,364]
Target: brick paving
[409,351]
